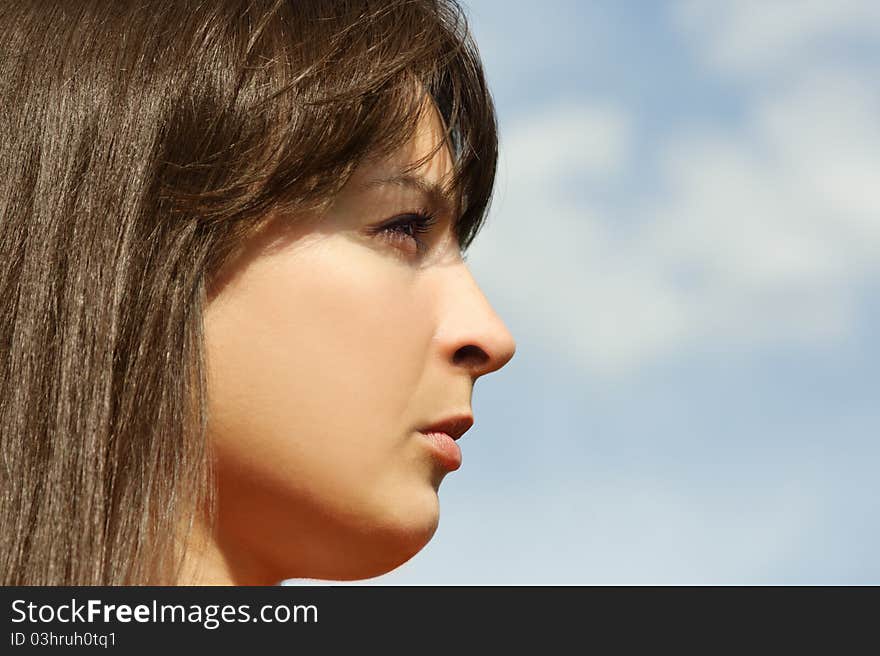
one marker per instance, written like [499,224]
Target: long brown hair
[140,141]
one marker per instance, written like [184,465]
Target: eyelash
[419,222]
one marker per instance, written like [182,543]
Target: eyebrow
[438,195]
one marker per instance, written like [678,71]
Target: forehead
[423,163]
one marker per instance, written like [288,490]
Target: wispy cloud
[761,231]
[762,37]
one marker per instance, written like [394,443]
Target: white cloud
[763,36]
[781,219]
[566,139]
[554,260]
[765,232]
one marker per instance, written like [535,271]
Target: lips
[454,426]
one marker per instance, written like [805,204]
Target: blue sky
[685,241]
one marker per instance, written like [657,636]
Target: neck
[207,560]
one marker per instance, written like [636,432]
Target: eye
[404,231]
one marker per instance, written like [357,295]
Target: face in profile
[333,342]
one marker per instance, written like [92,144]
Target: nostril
[470,355]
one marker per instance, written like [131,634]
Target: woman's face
[330,344]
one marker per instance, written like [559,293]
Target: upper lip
[454,426]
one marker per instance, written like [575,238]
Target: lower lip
[444,450]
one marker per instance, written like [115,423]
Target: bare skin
[329,346]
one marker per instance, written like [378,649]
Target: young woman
[237,333]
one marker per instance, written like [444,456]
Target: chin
[385,541]
[389,557]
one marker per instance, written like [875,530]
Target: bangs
[326,85]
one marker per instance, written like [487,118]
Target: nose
[471,334]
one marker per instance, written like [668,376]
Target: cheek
[313,362]
[330,332]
